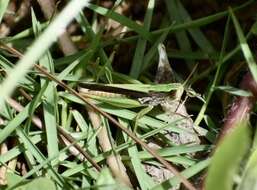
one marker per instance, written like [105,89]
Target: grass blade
[244,46]
[3,7]
[141,43]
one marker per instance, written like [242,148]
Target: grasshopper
[167,95]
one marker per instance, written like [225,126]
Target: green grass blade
[234,91]
[215,81]
[141,43]
[177,150]
[146,88]
[3,7]
[244,46]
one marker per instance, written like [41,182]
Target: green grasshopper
[167,95]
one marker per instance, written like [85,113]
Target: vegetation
[55,134]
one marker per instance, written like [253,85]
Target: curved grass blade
[244,46]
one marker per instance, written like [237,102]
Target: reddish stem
[241,107]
